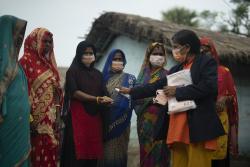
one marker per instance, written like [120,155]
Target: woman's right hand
[124,90]
[105,100]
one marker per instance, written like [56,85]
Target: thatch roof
[232,48]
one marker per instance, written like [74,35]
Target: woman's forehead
[118,54]
[88,48]
[157,48]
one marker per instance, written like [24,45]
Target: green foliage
[207,19]
[237,22]
[240,1]
[181,15]
[240,20]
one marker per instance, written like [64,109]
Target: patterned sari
[117,120]
[153,152]
[45,96]
[14,101]
[229,115]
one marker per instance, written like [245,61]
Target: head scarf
[226,87]
[145,75]
[41,72]
[107,67]
[121,110]
[33,50]
[205,41]
[12,31]
[81,47]
[15,144]
[75,67]
[77,63]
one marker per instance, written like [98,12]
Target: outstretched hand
[123,90]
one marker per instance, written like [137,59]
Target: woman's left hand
[169,91]
[221,103]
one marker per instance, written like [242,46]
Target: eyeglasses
[178,49]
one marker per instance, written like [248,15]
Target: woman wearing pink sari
[45,95]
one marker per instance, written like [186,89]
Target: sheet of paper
[180,78]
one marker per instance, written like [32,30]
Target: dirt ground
[133,159]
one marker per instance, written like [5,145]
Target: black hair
[158,45]
[81,47]
[187,37]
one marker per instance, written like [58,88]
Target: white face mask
[117,66]
[156,60]
[87,60]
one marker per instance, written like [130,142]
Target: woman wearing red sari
[45,95]
[227,109]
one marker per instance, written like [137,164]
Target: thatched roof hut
[232,48]
[133,33]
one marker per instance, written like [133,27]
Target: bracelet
[57,105]
[97,99]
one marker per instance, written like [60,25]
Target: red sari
[45,96]
[226,88]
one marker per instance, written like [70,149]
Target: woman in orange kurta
[227,108]
[45,96]
[178,135]
[191,134]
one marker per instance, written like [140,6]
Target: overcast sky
[70,19]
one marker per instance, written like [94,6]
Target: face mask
[178,56]
[156,60]
[87,60]
[117,66]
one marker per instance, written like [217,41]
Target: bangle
[57,105]
[97,99]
